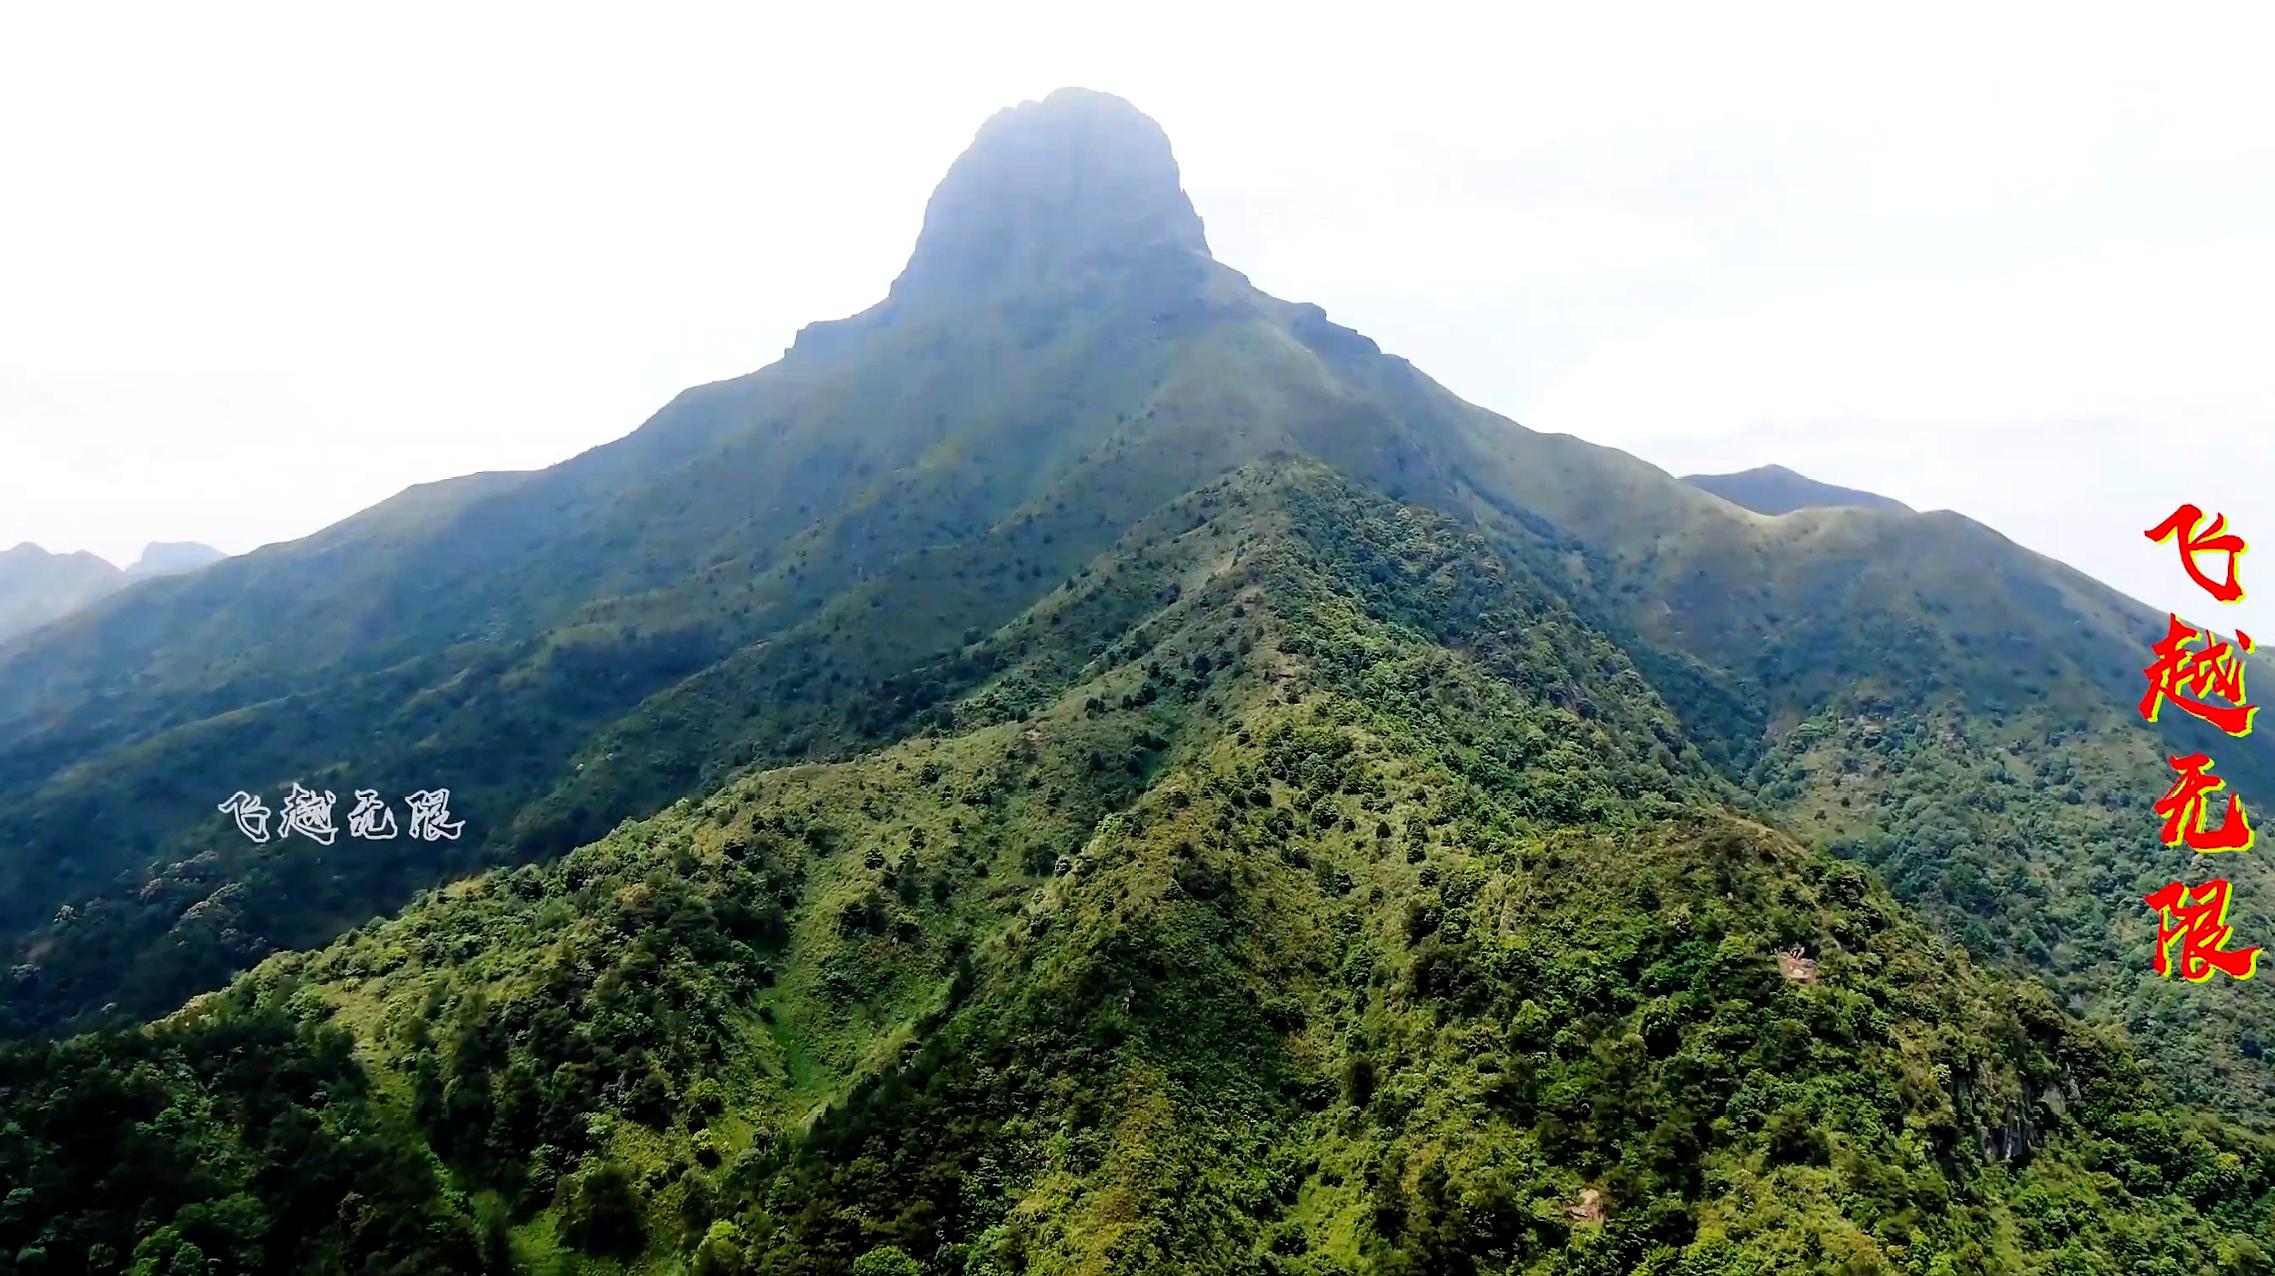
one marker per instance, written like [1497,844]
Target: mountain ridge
[803,565]
[1306,888]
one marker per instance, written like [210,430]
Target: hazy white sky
[261,266]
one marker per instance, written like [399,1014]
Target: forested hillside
[1086,767]
[1347,904]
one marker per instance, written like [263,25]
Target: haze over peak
[37,585]
[1078,179]
[165,558]
[159,558]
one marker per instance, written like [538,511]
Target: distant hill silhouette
[37,586]
[1774,489]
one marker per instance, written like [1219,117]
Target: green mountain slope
[807,564]
[1306,888]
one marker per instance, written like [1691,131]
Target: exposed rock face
[1076,181]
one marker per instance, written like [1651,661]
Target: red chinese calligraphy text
[2215,539]
[2183,807]
[2199,920]
[2185,676]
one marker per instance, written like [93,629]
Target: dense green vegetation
[238,1140]
[2031,843]
[1085,767]
[1353,906]
[796,565]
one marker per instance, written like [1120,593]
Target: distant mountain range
[1087,767]
[37,586]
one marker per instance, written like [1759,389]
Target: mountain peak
[1077,180]
[170,558]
